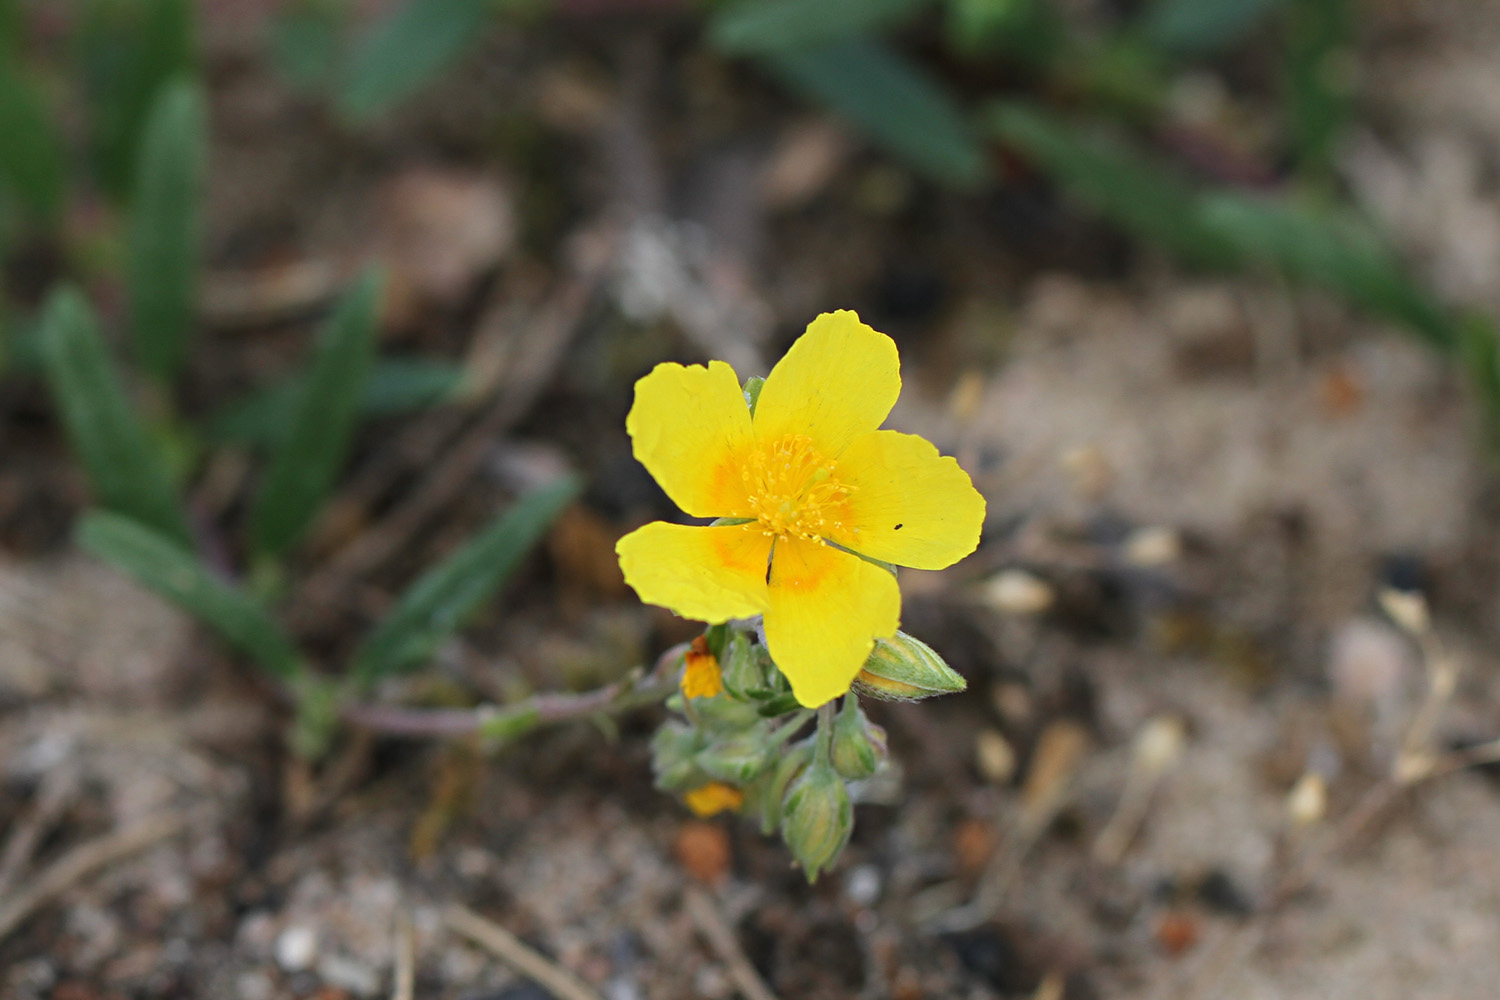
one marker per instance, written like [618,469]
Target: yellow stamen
[793,490]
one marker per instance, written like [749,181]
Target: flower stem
[509,722]
[825,732]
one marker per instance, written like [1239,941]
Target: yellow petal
[713,798]
[840,379]
[909,505]
[707,574]
[827,608]
[690,428]
[701,676]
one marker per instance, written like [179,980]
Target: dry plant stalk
[515,953]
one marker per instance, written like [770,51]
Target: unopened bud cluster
[747,746]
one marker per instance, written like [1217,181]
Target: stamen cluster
[793,490]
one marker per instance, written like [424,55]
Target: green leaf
[308,461]
[1222,228]
[761,26]
[1201,27]
[162,262]
[128,49]
[31,155]
[396,385]
[1333,250]
[407,50]
[128,476]
[1029,32]
[1479,347]
[896,104]
[163,566]
[10,27]
[1319,78]
[1145,197]
[446,596]
[304,42]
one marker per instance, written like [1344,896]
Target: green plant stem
[826,713]
[509,722]
[789,728]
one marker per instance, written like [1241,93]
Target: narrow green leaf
[162,264]
[761,26]
[304,42]
[446,596]
[10,27]
[1201,27]
[163,566]
[396,385]
[1030,32]
[1332,250]
[1143,196]
[896,104]
[31,155]
[127,474]
[309,459]
[1319,72]
[407,50]
[128,50]
[1223,228]
[1479,347]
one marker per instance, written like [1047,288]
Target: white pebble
[254,986]
[862,885]
[297,948]
[347,974]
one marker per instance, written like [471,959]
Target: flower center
[793,490]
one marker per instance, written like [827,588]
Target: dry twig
[57,789]
[83,861]
[406,958]
[719,936]
[515,953]
[543,345]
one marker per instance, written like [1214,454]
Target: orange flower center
[793,490]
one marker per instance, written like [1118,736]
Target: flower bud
[902,668]
[724,715]
[673,750]
[736,759]
[770,791]
[818,818]
[859,747]
[745,666]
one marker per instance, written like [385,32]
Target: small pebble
[862,885]
[297,948]
[348,974]
[254,986]
[1151,548]
[1017,592]
[994,757]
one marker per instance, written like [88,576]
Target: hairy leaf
[166,568]
[127,474]
[313,450]
[446,596]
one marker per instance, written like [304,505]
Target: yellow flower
[814,485]
[701,677]
[714,797]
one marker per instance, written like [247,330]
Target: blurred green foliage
[309,456]
[967,94]
[126,51]
[162,249]
[145,146]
